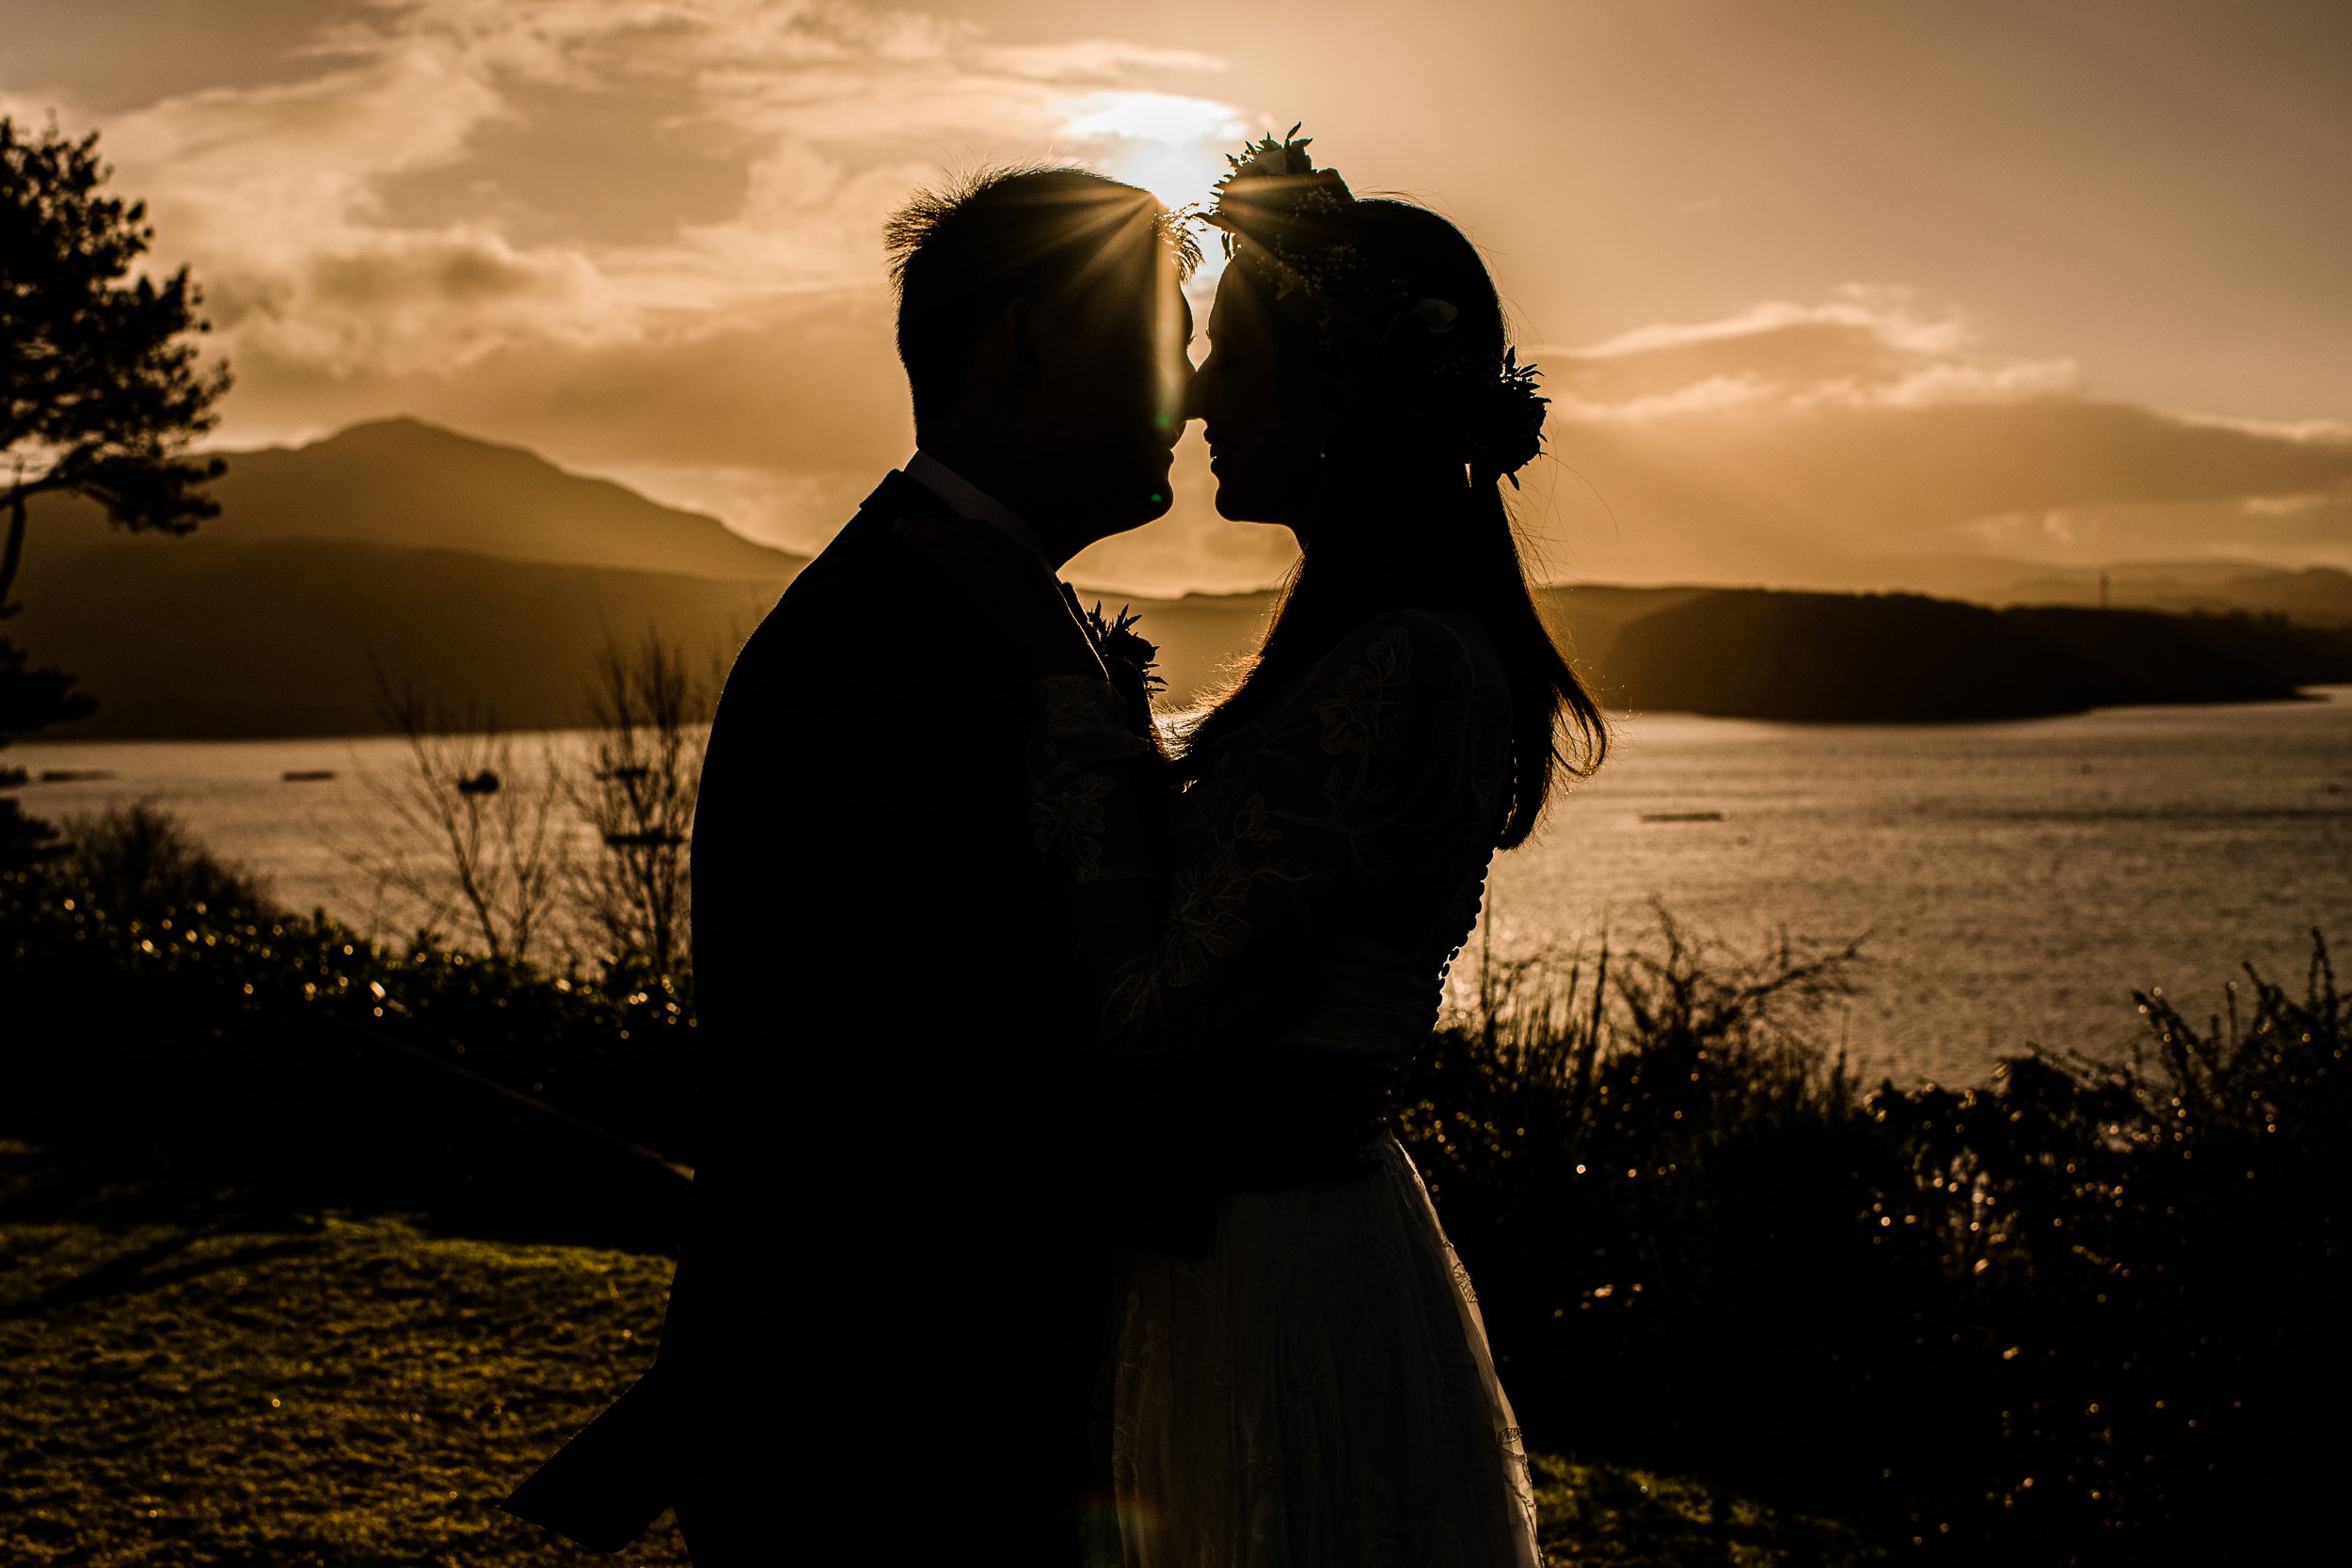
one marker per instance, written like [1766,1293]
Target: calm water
[2013,881]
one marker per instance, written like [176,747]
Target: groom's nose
[1175,358]
[1175,399]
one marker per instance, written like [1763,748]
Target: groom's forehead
[1140,290]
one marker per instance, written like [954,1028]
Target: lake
[2013,882]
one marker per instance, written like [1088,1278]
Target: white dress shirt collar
[967,500]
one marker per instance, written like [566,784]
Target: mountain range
[481,573]
[398,554]
[407,484]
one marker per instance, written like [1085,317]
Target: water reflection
[2016,879]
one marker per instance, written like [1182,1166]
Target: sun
[1179,176]
[1170,145]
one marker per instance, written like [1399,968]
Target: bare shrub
[488,805]
[136,859]
[637,792]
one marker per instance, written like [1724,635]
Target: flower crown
[1286,223]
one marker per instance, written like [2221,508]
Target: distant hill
[2314,596]
[1754,653]
[1770,653]
[481,572]
[210,639]
[2317,596]
[1589,618]
[407,484]
[488,576]
[1202,637]
[217,639]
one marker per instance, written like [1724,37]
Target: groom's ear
[1024,353]
[1012,352]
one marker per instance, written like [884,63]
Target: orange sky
[1826,292]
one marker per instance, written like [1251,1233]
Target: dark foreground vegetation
[2086,1313]
[155,999]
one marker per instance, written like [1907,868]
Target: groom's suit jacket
[890,1305]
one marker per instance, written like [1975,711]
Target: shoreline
[2304,696]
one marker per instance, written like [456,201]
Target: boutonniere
[1118,639]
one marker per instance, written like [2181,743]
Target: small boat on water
[306,775]
[1682,816]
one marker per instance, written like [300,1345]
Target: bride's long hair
[1412,514]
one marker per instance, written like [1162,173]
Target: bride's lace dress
[1316,1391]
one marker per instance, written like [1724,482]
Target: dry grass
[330,1390]
[191,1382]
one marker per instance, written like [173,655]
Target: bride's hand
[1013,592]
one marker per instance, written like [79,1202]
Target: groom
[886,1318]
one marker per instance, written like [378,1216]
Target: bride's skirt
[1315,1393]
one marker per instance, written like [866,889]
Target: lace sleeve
[1084,768]
[1340,812]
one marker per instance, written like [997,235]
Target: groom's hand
[1299,1115]
[1013,592]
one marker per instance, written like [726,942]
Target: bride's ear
[1336,406]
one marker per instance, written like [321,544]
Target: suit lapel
[1086,622]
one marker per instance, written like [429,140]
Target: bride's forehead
[1237,309]
[1225,305]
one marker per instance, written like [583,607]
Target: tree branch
[12,554]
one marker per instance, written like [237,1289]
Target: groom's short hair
[961,253]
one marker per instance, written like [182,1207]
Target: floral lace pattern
[1363,714]
[1336,836]
[1080,731]
[1317,1391]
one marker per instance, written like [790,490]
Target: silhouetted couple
[1047,1213]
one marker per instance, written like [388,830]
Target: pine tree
[29,700]
[101,392]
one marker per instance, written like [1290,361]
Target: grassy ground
[194,1381]
[205,1387]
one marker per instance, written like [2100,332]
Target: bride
[1317,1389]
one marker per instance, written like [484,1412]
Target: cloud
[386,215]
[1870,347]
[1835,439]
[801,383]
[640,235]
